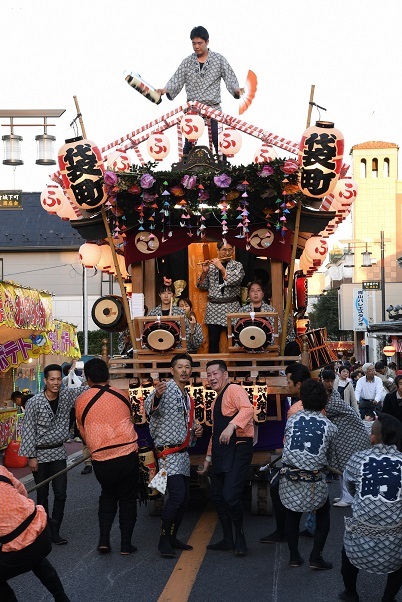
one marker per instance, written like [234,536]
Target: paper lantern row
[100,256]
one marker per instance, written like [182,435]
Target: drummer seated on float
[258,304]
[196,336]
[166,308]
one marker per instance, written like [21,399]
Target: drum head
[107,312]
[161,336]
[252,337]
[160,340]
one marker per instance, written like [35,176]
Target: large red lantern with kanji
[192,126]
[229,142]
[81,168]
[320,158]
[158,146]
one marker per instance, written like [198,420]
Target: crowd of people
[325,432]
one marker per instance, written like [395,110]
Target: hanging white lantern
[305,264]
[90,253]
[66,210]
[265,154]
[229,142]
[316,248]
[105,262]
[52,198]
[158,146]
[344,193]
[122,265]
[192,126]
[118,161]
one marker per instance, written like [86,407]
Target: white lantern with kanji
[229,142]
[265,154]
[158,146]
[316,248]
[81,169]
[192,126]
[118,161]
[105,262]
[321,158]
[52,198]
[90,253]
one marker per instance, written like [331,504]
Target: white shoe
[337,499]
[341,504]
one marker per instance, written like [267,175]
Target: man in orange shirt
[24,540]
[230,452]
[103,415]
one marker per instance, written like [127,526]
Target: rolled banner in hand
[250,89]
[138,83]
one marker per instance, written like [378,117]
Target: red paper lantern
[81,169]
[265,154]
[321,158]
[300,291]
[158,146]
[192,126]
[52,198]
[229,142]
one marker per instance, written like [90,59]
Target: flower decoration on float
[198,198]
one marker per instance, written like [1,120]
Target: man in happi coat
[171,424]
[309,447]
[373,535]
[201,74]
[352,434]
[221,277]
[45,429]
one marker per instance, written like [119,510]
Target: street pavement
[141,577]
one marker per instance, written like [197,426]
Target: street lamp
[12,142]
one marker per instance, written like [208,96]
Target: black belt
[18,530]
[223,300]
[50,446]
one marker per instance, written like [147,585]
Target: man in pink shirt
[103,416]
[24,540]
[230,453]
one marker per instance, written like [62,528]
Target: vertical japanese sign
[360,310]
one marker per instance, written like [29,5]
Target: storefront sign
[10,199]
[360,310]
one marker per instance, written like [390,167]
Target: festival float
[29,337]
[142,222]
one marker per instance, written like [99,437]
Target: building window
[386,168]
[374,168]
[363,168]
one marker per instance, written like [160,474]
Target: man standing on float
[201,74]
